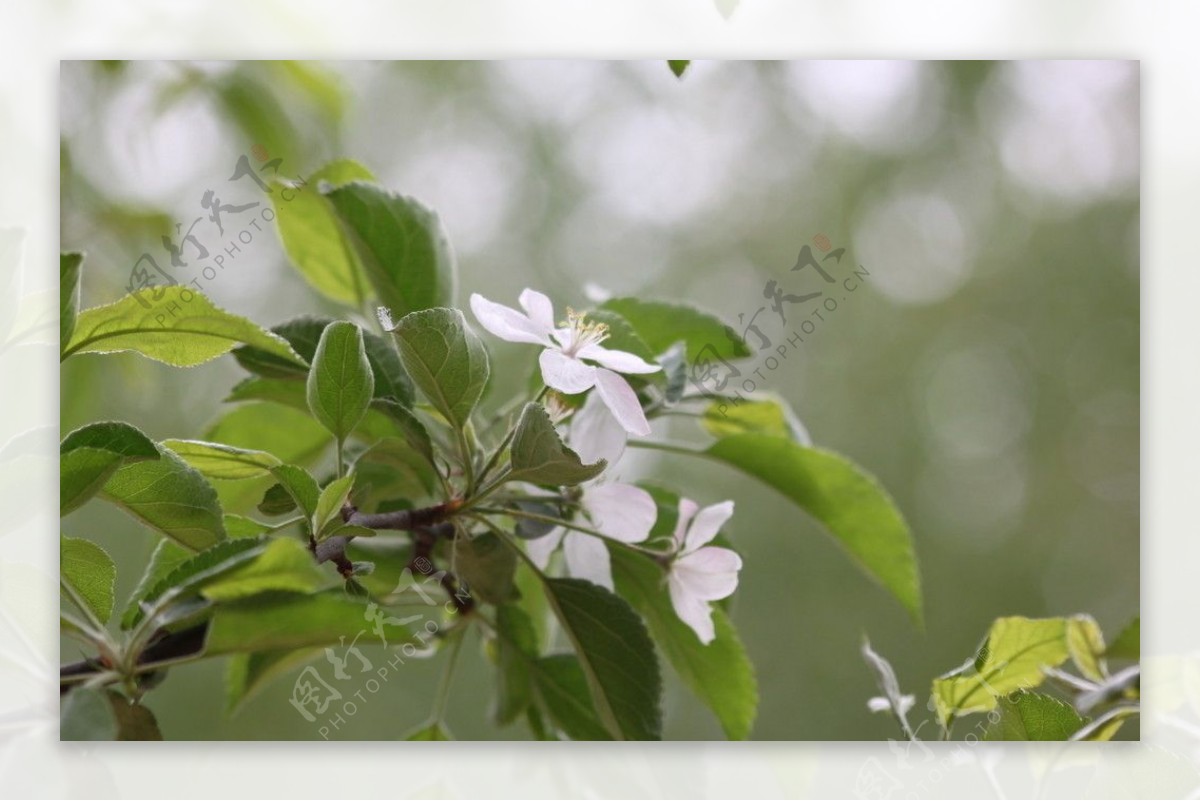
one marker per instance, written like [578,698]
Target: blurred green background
[987,371]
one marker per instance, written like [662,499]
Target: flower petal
[706,525]
[539,308]
[508,324]
[709,573]
[687,510]
[617,360]
[565,374]
[691,610]
[539,550]
[587,558]
[622,401]
[596,434]
[621,511]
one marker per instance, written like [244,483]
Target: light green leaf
[1085,641]
[1106,726]
[445,360]
[182,329]
[562,687]
[217,460]
[289,621]
[847,501]
[285,392]
[68,294]
[328,513]
[400,244]
[1034,716]
[238,526]
[1012,658]
[183,574]
[340,383]
[661,325]
[720,673]
[764,414]
[170,497]
[539,456]
[90,455]
[167,557]
[616,655]
[300,485]
[283,565]
[487,566]
[1128,644]
[312,235]
[90,572]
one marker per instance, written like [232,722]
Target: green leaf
[539,456]
[216,460]
[720,673]
[562,686]
[516,649]
[90,455]
[284,565]
[135,722]
[847,501]
[183,329]
[1012,658]
[170,497]
[487,566]
[166,558]
[621,335]
[1106,726]
[431,731]
[247,674]
[445,360]
[327,515]
[68,295]
[1034,716]
[616,655]
[409,427]
[390,470]
[678,67]
[183,574]
[1085,641]
[301,333]
[661,325]
[765,414]
[400,244]
[290,621]
[302,487]
[1128,644]
[238,526]
[312,235]
[96,714]
[90,572]
[340,382]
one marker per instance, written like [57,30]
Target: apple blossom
[701,573]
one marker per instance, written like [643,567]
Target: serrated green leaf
[444,359]
[763,414]
[720,673]
[1085,641]
[217,460]
[616,655]
[183,329]
[661,325]
[845,499]
[340,382]
[562,686]
[400,244]
[68,295]
[1033,716]
[1127,644]
[90,455]
[90,572]
[329,506]
[539,456]
[283,565]
[312,235]
[487,567]
[1013,657]
[170,497]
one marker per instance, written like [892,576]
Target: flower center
[581,332]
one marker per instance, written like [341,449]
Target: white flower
[701,573]
[621,512]
[567,349]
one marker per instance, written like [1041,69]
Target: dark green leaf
[135,722]
[409,427]
[400,244]
[1128,644]
[516,649]
[720,673]
[539,456]
[1034,716]
[340,383]
[183,329]
[563,689]
[68,295]
[661,325]
[277,500]
[445,360]
[90,572]
[301,333]
[487,566]
[616,655]
[849,502]
[300,485]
